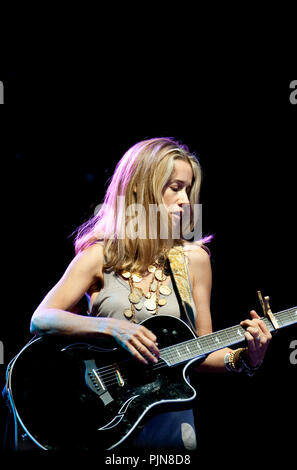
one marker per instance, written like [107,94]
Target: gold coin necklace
[152,300]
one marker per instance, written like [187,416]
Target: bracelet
[234,357]
[227,363]
[237,361]
[230,364]
[246,367]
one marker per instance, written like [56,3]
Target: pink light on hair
[139,178]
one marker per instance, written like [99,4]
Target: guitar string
[112,372]
[211,338]
[123,369]
[113,378]
[170,351]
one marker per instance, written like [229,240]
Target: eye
[174,189]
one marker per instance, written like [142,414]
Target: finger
[146,332]
[265,335]
[143,350]
[248,322]
[152,347]
[261,325]
[136,354]
[255,332]
[251,323]
[148,340]
[254,314]
[251,342]
[265,330]
[124,340]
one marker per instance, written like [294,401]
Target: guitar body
[87,394]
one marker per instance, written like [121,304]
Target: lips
[177,216]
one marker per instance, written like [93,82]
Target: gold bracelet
[234,356]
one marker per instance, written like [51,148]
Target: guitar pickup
[118,375]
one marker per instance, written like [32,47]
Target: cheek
[167,198]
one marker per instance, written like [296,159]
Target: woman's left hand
[258,338]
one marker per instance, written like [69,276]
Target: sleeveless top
[112,299]
[174,429]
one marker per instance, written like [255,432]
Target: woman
[121,263]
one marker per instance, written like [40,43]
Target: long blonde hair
[140,176]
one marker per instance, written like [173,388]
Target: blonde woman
[118,251]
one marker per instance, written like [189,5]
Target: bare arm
[201,277]
[54,314]
[257,334]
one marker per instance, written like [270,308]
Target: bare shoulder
[199,260]
[90,260]
[196,253]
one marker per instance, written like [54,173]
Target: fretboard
[194,348]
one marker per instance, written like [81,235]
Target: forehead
[182,171]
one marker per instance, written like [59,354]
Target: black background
[63,137]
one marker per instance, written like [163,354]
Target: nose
[183,197]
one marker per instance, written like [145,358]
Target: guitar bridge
[95,383]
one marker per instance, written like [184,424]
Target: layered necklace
[152,300]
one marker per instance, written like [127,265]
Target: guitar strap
[178,265]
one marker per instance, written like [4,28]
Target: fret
[269,325]
[198,347]
[284,318]
[287,317]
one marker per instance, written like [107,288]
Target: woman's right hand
[136,339]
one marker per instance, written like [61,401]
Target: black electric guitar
[89,394]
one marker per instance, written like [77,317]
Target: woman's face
[176,192]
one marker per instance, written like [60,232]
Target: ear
[135,188]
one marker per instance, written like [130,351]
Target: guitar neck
[182,352]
